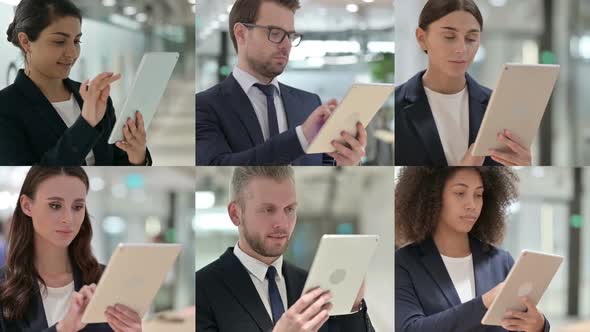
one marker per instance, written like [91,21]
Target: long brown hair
[20,274]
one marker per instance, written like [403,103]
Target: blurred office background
[126,204]
[525,31]
[330,201]
[344,42]
[116,34]
[552,216]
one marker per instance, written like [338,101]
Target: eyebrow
[67,35]
[456,30]
[56,198]
[466,186]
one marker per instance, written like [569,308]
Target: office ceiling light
[130,10]
[10,2]
[141,17]
[368,1]
[498,3]
[109,3]
[353,8]
[192,2]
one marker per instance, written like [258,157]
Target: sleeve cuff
[302,140]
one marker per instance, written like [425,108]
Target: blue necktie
[276,304]
[273,123]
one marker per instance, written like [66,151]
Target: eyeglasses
[277,35]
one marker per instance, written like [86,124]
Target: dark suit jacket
[426,299]
[417,142]
[32,132]
[228,132]
[35,320]
[227,301]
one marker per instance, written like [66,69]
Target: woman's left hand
[530,321]
[518,155]
[123,319]
[135,143]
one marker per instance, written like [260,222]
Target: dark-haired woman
[48,119]
[50,272]
[438,112]
[448,270]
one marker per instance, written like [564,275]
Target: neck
[53,88]
[243,65]
[51,260]
[451,243]
[252,253]
[440,82]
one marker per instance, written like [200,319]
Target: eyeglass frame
[271,27]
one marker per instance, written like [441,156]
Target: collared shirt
[258,101]
[257,271]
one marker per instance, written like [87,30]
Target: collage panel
[134,58]
[316,227]
[302,83]
[491,249]
[490,82]
[66,228]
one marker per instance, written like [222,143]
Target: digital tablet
[530,276]
[132,278]
[361,103]
[517,104]
[339,266]
[149,84]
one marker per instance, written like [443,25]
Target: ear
[26,205]
[240,33]
[24,42]
[233,209]
[421,39]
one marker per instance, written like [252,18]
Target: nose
[470,203]
[285,44]
[461,46]
[66,217]
[70,51]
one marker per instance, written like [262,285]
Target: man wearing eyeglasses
[252,119]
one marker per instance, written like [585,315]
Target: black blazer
[227,301]
[35,320]
[228,132]
[426,299]
[417,142]
[32,132]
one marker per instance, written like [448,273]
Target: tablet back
[530,276]
[517,104]
[132,277]
[340,265]
[149,85]
[361,103]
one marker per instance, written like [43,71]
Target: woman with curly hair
[50,273]
[448,270]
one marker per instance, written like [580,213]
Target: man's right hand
[308,314]
[317,118]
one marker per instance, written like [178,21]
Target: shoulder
[407,253]
[295,270]
[409,91]
[9,95]
[500,257]
[208,273]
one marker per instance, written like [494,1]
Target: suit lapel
[236,278]
[295,116]
[40,104]
[237,101]
[481,267]
[478,101]
[433,263]
[420,116]
[294,283]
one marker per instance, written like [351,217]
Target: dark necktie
[276,304]
[273,123]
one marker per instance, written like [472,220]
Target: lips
[459,62]
[64,231]
[469,218]
[278,236]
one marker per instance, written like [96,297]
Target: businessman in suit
[252,119]
[251,288]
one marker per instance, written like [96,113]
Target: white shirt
[462,275]
[69,111]
[56,302]
[257,271]
[258,101]
[451,115]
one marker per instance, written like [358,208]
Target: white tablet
[530,276]
[361,103]
[132,278]
[517,104]
[149,84]
[339,266]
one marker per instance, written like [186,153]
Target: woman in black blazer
[48,119]
[438,112]
[50,273]
[448,270]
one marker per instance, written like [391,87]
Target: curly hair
[418,202]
